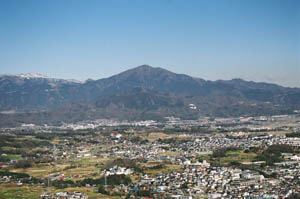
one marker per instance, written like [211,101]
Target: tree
[219,153]
[101,189]
[23,164]
[143,193]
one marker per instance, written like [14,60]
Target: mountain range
[140,93]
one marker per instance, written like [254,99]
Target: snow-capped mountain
[39,76]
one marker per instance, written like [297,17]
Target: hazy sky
[213,39]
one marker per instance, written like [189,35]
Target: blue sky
[213,39]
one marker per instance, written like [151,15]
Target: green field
[237,156]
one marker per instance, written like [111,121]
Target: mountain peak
[144,66]
[143,71]
[149,69]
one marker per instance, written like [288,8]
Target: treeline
[68,133]
[9,136]
[139,140]
[22,177]
[12,151]
[191,130]
[28,143]
[13,141]
[293,135]
[14,175]
[110,180]
[272,154]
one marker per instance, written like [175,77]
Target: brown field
[166,169]
[34,192]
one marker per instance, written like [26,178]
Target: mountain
[31,92]
[141,93]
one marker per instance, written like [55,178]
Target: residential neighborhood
[220,158]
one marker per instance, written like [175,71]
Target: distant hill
[137,94]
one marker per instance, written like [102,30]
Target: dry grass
[34,171]
[34,192]
[86,167]
[20,192]
[157,135]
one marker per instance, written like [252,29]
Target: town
[245,157]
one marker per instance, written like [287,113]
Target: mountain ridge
[141,67]
[140,93]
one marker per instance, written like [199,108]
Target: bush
[23,164]
[4,159]
[14,175]
[235,163]
[219,153]
[293,135]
